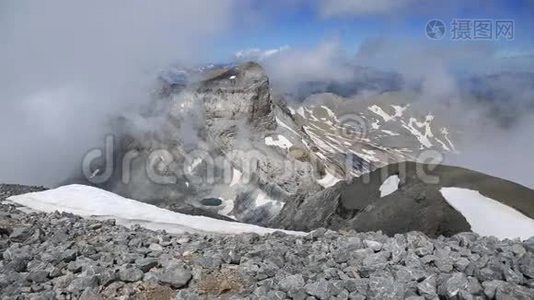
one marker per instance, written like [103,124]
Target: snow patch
[328,180]
[227,209]
[399,111]
[291,110]
[423,138]
[280,141]
[236,177]
[375,125]
[300,111]
[281,123]
[390,132]
[92,202]
[389,186]
[263,199]
[487,216]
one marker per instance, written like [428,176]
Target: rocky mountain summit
[62,256]
[252,150]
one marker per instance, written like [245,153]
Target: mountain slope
[221,133]
[417,203]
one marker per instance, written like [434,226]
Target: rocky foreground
[62,256]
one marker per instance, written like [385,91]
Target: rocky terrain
[361,206]
[62,256]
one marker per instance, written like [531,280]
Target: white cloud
[67,65]
[326,61]
[256,54]
[329,8]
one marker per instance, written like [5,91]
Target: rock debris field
[63,256]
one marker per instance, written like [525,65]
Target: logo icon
[435,29]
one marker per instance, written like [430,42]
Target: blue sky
[302,24]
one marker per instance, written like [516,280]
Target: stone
[444,264]
[155,247]
[90,294]
[299,294]
[427,287]
[276,295]
[39,276]
[487,274]
[453,285]
[18,264]
[68,255]
[130,274]
[529,244]
[461,264]
[508,291]
[321,289]
[145,264]
[512,276]
[291,282]
[360,285]
[519,250]
[80,283]
[374,245]
[20,234]
[526,265]
[474,287]
[385,288]
[490,287]
[176,276]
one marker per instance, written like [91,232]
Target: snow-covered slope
[487,216]
[89,201]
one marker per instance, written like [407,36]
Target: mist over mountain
[300,149]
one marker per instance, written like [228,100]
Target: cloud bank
[68,65]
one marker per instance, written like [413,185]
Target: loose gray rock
[176,276]
[321,289]
[529,244]
[145,264]
[291,282]
[453,285]
[427,287]
[385,288]
[130,274]
[71,258]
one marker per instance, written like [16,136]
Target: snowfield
[487,216]
[92,202]
[389,186]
